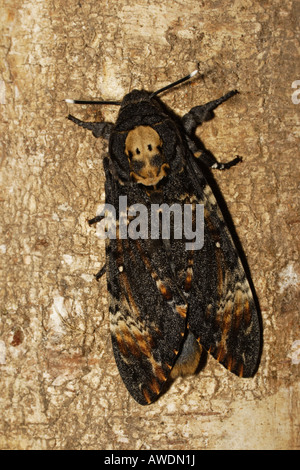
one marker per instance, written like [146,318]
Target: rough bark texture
[60,388]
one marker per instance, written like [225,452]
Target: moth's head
[145,144]
[144,151]
[134,97]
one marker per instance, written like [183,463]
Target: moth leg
[96,219]
[209,160]
[100,273]
[197,115]
[225,166]
[99,129]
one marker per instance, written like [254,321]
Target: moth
[167,303]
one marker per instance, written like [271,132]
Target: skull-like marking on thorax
[143,147]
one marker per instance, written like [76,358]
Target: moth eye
[138,151]
[159,148]
[130,154]
[150,147]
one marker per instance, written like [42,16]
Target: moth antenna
[118,103]
[171,85]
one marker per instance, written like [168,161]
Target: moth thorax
[144,150]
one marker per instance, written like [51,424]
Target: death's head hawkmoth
[169,303]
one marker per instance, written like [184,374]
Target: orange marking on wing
[241,370]
[157,331]
[221,353]
[189,273]
[146,395]
[181,309]
[154,386]
[121,345]
[127,288]
[144,343]
[230,363]
[227,316]
[188,280]
[247,312]
[159,373]
[167,294]
[131,344]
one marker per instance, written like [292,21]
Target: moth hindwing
[170,299]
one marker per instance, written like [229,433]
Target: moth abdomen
[188,359]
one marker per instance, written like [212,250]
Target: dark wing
[222,311]
[148,313]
